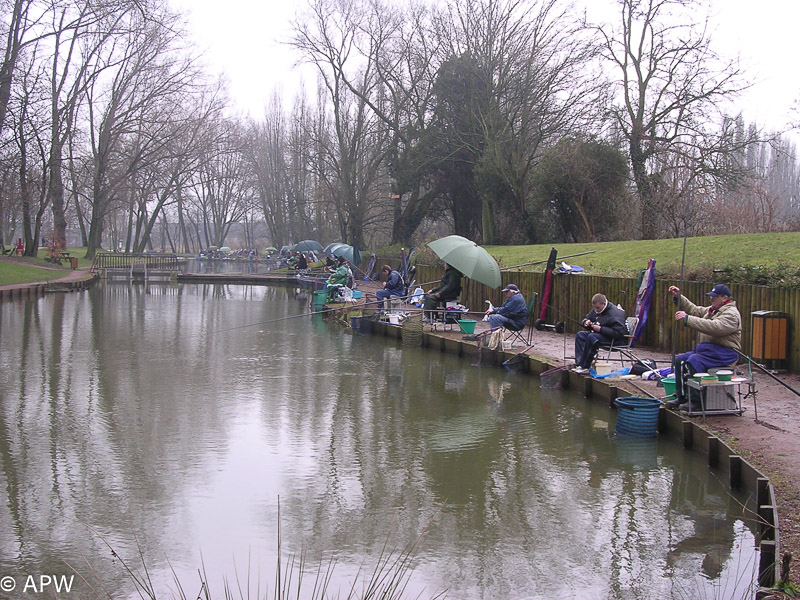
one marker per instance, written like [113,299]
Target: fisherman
[512,314]
[449,288]
[339,277]
[393,286]
[719,328]
[604,324]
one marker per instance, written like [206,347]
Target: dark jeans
[586,345]
[431,302]
[383,294]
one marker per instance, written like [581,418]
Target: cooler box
[715,397]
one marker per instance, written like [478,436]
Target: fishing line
[308,314]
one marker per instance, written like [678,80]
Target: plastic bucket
[724,375]
[320,298]
[637,417]
[669,385]
[467,326]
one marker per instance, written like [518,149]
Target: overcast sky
[242,38]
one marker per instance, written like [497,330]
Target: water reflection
[243,266]
[175,416]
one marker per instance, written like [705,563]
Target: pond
[228,265]
[186,422]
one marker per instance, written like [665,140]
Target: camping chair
[623,347]
[518,335]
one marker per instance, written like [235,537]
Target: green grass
[764,250]
[27,270]
[765,258]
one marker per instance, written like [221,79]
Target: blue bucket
[637,417]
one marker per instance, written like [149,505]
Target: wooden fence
[571,300]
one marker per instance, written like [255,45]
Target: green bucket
[320,298]
[669,385]
[467,326]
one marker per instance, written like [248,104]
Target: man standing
[719,339]
[604,324]
[512,314]
[393,286]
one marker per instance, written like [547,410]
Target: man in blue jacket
[512,313]
[604,323]
[393,286]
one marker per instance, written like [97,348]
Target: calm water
[179,419]
[247,267]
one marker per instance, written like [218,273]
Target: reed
[293,577]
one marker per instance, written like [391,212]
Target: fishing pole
[767,372]
[308,314]
[539,262]
[683,264]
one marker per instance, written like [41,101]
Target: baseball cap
[510,288]
[719,290]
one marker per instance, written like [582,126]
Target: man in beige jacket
[719,339]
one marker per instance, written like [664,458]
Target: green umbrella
[352,255]
[307,246]
[271,249]
[332,246]
[469,258]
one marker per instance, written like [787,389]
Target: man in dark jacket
[449,288]
[393,286]
[512,314]
[604,323]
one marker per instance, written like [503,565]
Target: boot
[676,403]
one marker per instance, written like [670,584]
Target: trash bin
[73,262]
[770,337]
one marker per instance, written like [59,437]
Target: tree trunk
[56,194]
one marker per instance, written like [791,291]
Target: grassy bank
[27,270]
[24,269]
[766,258]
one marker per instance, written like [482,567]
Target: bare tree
[222,188]
[350,140]
[28,110]
[671,86]
[137,117]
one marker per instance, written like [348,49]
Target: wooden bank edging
[34,290]
[739,473]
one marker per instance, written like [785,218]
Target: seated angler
[604,324]
[339,277]
[393,286]
[719,338]
[449,288]
[512,314]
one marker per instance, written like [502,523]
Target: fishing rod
[767,372]
[539,262]
[683,265]
[308,314]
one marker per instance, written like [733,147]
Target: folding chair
[623,348]
[519,335]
